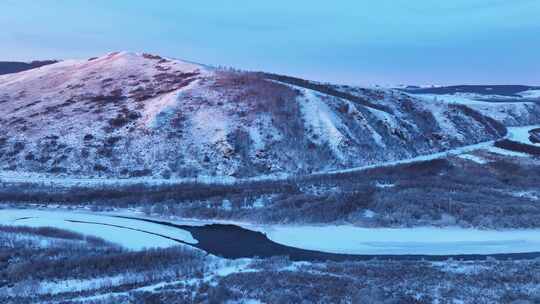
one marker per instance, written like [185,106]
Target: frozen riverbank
[418,241]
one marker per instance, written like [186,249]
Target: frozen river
[297,242]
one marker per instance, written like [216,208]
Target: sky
[386,42]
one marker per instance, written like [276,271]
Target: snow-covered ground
[514,111]
[464,99]
[398,241]
[322,120]
[52,180]
[530,94]
[131,234]
[479,99]
[218,268]
[521,134]
[474,158]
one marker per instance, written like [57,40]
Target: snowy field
[131,234]
[424,241]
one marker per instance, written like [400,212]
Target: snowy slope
[127,115]
[511,111]
[8,67]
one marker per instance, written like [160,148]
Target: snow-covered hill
[509,91]
[512,105]
[8,67]
[133,115]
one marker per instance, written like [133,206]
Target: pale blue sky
[348,41]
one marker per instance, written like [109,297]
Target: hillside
[139,115]
[490,90]
[512,105]
[8,67]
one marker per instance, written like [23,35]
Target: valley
[187,181]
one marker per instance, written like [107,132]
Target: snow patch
[533,195]
[322,121]
[474,158]
[383,185]
[385,117]
[210,126]
[369,214]
[506,152]
[440,113]
[467,268]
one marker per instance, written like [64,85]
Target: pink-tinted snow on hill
[127,115]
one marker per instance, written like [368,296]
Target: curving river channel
[301,243]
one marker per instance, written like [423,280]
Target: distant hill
[8,67]
[500,90]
